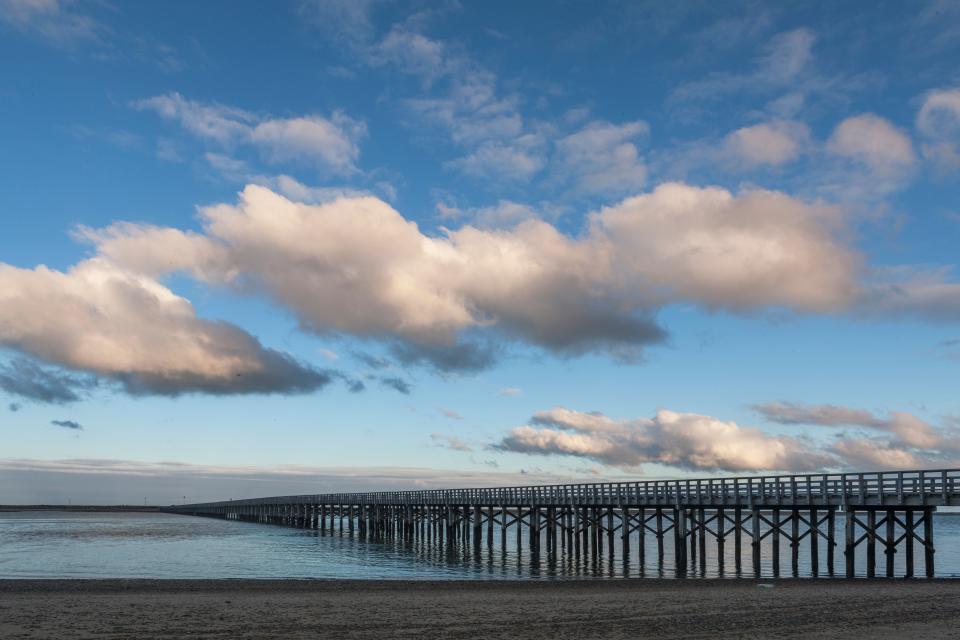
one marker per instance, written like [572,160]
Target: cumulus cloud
[683,440]
[692,441]
[768,143]
[751,250]
[356,266]
[450,442]
[67,424]
[329,143]
[866,158]
[875,142]
[29,379]
[128,328]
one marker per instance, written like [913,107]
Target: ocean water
[154,545]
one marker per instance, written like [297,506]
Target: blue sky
[295,246]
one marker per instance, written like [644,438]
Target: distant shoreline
[533,609]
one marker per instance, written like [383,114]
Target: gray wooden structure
[892,511]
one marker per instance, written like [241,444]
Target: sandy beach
[403,609]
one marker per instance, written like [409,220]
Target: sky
[264,248]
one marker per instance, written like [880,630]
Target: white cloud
[692,441]
[939,114]
[768,143]
[413,53]
[875,142]
[516,161]
[128,328]
[900,440]
[683,440]
[330,144]
[220,123]
[751,250]
[356,266]
[602,158]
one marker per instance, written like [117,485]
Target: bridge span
[891,511]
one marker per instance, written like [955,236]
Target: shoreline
[630,608]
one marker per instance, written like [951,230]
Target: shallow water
[155,545]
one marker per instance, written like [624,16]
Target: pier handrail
[857,486]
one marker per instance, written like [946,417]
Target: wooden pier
[890,510]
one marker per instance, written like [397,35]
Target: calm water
[143,545]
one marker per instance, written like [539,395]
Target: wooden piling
[891,542]
[721,528]
[737,539]
[702,539]
[928,549]
[814,534]
[610,531]
[908,544]
[775,542]
[849,516]
[831,539]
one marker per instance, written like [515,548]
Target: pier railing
[924,487]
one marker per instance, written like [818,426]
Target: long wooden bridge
[892,511]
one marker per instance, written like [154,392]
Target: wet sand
[531,610]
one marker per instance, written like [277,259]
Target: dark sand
[529,610]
